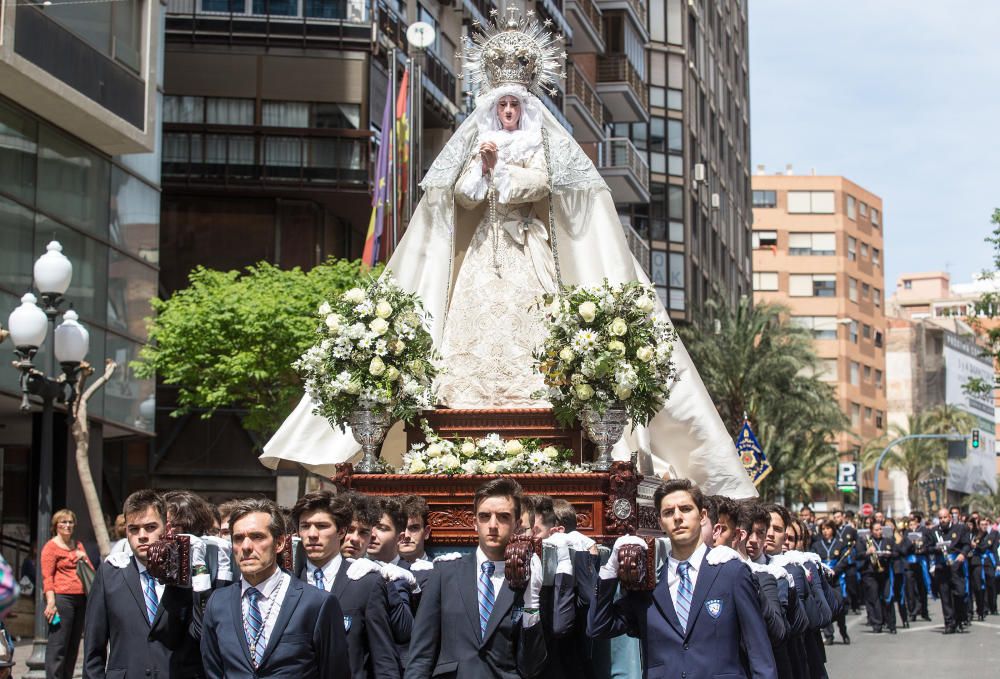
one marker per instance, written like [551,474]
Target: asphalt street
[921,651]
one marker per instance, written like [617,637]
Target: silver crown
[518,51]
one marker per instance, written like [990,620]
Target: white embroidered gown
[494,323]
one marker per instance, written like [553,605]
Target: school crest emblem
[516,615]
[714,607]
[347,623]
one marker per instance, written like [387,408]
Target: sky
[901,97]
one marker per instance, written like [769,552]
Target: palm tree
[754,361]
[986,503]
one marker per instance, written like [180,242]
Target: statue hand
[488,152]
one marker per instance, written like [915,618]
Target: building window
[876,257]
[812,285]
[817,244]
[875,217]
[228,111]
[868,413]
[864,251]
[765,239]
[863,209]
[675,100]
[878,338]
[852,289]
[829,369]
[852,249]
[866,331]
[855,415]
[878,378]
[868,373]
[852,212]
[675,231]
[853,332]
[765,198]
[879,417]
[657,97]
[180,109]
[822,327]
[765,280]
[865,290]
[811,202]
[855,373]
[877,296]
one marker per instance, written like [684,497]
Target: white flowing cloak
[686,439]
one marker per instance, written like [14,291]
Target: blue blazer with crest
[726,635]
[308,640]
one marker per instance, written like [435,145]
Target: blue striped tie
[318,579]
[254,626]
[683,604]
[486,595]
[152,601]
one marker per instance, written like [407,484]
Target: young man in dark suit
[323,520]
[136,626]
[470,623]
[701,620]
[270,624]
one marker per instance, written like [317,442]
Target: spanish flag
[373,241]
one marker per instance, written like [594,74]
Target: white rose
[449,461]
[418,467]
[417,368]
[550,453]
[645,304]
[584,391]
[391,374]
[324,309]
[434,450]
[567,354]
[616,347]
[398,347]
[355,295]
[333,323]
[383,309]
[645,354]
[618,327]
[376,367]
[587,311]
[513,447]
[353,387]
[468,448]
[623,393]
[490,468]
[379,326]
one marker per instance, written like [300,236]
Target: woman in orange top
[65,598]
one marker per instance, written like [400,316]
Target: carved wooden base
[605,502]
[509,423]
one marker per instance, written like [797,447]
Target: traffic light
[975,438]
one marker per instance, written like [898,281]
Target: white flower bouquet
[605,348]
[374,351]
[489,455]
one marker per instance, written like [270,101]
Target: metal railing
[578,86]
[638,245]
[442,76]
[616,68]
[269,156]
[617,152]
[355,11]
[479,9]
[589,9]
[637,7]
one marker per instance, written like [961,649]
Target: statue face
[509,112]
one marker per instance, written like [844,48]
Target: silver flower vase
[369,427]
[604,431]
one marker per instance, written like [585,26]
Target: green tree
[753,360]
[229,339]
[986,311]
[986,503]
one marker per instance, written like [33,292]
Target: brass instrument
[873,557]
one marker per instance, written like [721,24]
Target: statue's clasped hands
[488,153]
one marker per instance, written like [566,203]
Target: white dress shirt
[695,563]
[159,586]
[272,594]
[330,570]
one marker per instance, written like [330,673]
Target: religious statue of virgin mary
[513,209]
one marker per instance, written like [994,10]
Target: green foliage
[230,338]
[986,503]
[986,311]
[754,361]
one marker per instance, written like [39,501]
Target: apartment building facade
[818,250]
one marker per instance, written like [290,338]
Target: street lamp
[29,327]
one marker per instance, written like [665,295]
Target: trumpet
[874,558]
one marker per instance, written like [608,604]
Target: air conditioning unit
[699,172]
[715,201]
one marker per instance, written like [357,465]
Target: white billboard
[963,360]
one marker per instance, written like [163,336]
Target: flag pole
[394,162]
[413,65]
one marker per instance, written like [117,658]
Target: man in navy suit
[270,624]
[470,623]
[701,620]
[136,626]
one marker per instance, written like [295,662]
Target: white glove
[579,541]
[359,568]
[451,556]
[421,565]
[119,559]
[201,580]
[609,571]
[721,554]
[808,556]
[827,570]
[561,542]
[532,592]
[392,572]
[225,559]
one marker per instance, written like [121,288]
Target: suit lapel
[661,596]
[132,579]
[706,578]
[292,596]
[501,607]
[468,588]
[340,580]
[236,607]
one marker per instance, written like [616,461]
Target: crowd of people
[343,585]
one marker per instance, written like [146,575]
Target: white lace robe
[494,323]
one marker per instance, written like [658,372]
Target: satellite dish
[420,34]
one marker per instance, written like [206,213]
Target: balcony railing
[578,86]
[268,155]
[441,76]
[625,169]
[391,24]
[355,11]
[588,8]
[616,68]
[638,245]
[479,10]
